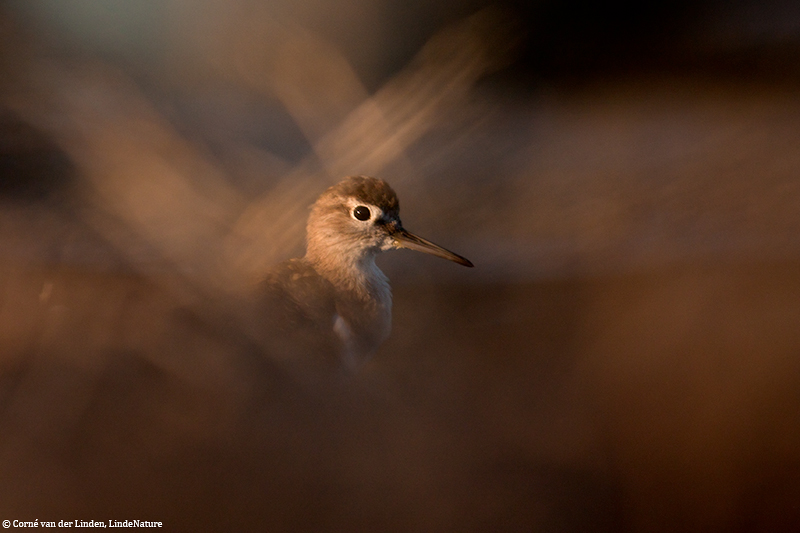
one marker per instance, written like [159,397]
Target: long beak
[406,239]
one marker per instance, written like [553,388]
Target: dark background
[624,175]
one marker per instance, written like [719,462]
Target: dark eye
[361,212]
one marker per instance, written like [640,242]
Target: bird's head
[360,217]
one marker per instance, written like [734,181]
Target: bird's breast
[361,326]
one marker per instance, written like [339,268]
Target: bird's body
[335,302]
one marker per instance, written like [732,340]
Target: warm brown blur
[624,357]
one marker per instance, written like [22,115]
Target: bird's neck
[363,303]
[355,275]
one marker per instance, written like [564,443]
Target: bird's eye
[361,212]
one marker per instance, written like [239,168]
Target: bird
[333,306]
